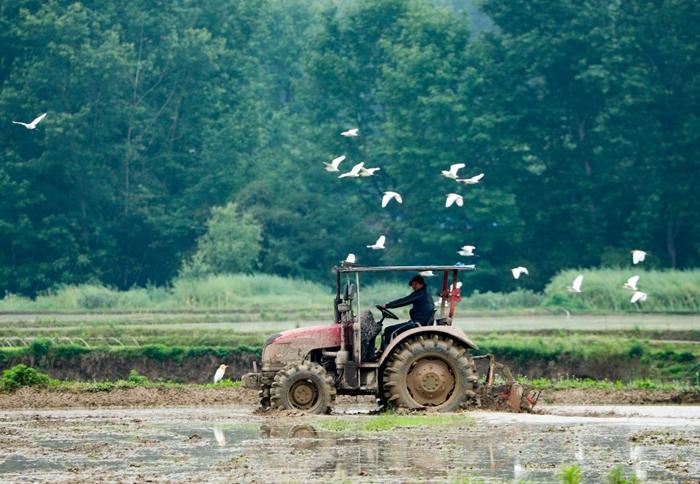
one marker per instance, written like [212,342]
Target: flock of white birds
[359,170]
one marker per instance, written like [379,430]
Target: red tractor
[428,366]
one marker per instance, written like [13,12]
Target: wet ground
[222,320]
[218,443]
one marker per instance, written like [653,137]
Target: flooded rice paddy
[225,444]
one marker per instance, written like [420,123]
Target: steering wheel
[386,313]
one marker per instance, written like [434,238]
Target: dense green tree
[582,115]
[230,245]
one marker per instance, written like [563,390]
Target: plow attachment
[509,395]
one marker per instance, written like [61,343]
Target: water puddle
[232,444]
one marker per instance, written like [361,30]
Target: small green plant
[390,421]
[137,379]
[571,474]
[617,477]
[22,376]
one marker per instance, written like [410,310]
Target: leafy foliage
[22,376]
[583,117]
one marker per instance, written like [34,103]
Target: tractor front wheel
[305,387]
[429,372]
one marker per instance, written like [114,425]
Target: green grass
[602,291]
[267,297]
[389,421]
[21,375]
[237,291]
[589,383]
[571,474]
[630,358]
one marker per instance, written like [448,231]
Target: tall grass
[274,297]
[602,291]
[235,291]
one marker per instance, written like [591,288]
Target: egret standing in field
[452,172]
[33,124]
[220,373]
[334,165]
[389,196]
[379,244]
[351,133]
[576,285]
[638,256]
[518,271]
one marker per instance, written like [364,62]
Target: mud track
[233,444]
[31,398]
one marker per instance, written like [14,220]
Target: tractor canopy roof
[345,268]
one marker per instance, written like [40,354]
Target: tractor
[427,367]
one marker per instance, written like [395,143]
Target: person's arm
[404,301]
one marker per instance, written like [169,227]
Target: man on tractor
[421,313]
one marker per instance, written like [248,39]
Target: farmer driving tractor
[421,313]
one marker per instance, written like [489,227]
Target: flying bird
[466,250]
[454,198]
[389,196]
[220,373]
[350,259]
[638,256]
[335,164]
[576,285]
[452,172]
[354,171]
[631,283]
[518,271]
[33,124]
[368,171]
[638,296]
[350,133]
[379,244]
[426,273]
[471,181]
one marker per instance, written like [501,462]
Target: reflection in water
[250,448]
[219,436]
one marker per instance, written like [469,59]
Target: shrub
[616,477]
[571,474]
[22,376]
[137,379]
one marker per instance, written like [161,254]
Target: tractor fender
[451,331]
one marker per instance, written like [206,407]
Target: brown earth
[33,398]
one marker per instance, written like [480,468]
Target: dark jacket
[423,306]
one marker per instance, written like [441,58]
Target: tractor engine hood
[293,345]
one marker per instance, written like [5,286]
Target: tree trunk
[671,242]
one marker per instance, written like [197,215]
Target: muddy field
[228,443]
[36,398]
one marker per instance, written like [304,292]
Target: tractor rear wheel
[430,372]
[305,387]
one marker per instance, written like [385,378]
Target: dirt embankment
[32,398]
[112,366]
